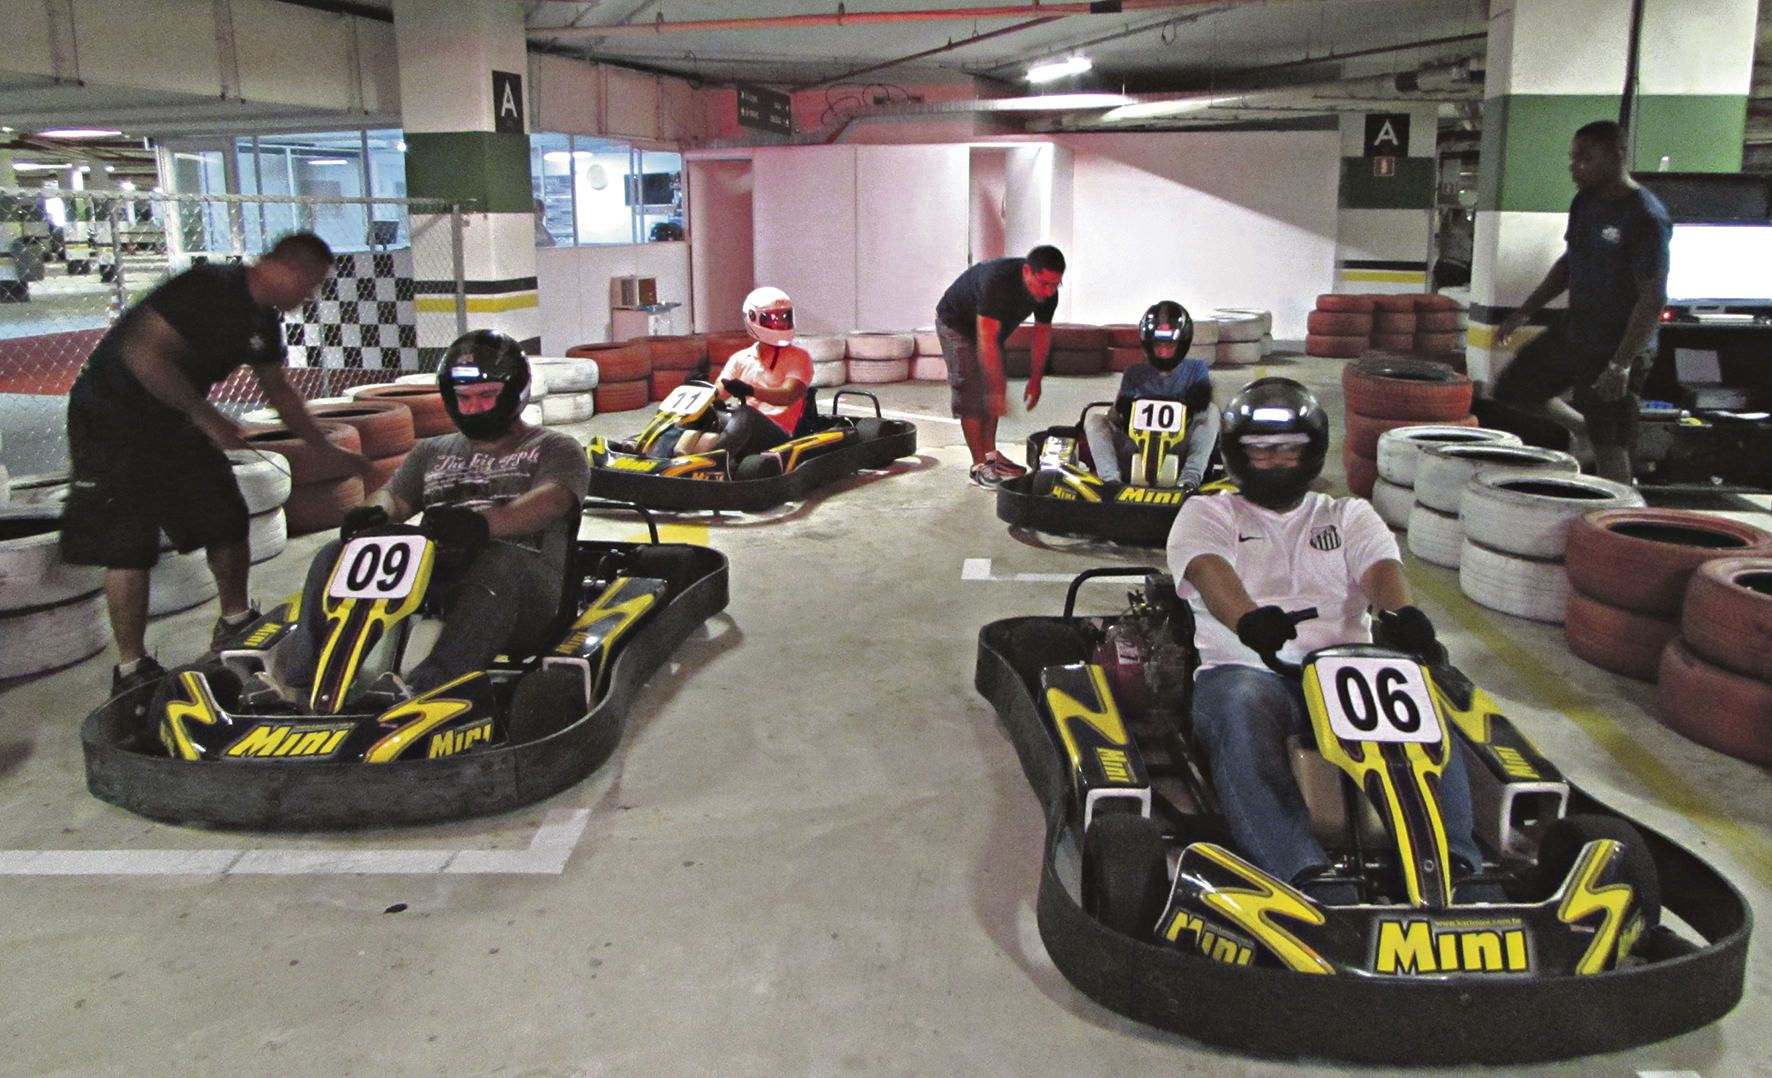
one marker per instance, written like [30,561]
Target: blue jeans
[1243,717]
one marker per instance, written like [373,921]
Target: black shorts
[1549,366]
[129,486]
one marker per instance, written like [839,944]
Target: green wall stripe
[487,168]
[1525,155]
[1412,188]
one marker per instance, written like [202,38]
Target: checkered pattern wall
[364,316]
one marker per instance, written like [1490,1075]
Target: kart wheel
[545,702]
[1125,873]
[1564,839]
[869,427]
[760,466]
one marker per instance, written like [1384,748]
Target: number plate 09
[377,567]
[1377,699]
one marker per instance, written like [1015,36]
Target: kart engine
[1148,652]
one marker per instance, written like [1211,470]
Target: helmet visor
[783,319]
[1166,332]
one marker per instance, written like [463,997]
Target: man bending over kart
[500,500]
[1249,558]
[769,378]
[1167,332]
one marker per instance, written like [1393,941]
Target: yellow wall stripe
[1383,276]
[478,304]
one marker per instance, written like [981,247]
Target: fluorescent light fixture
[125,185]
[327,161]
[1060,102]
[5,130]
[1151,110]
[559,157]
[35,166]
[400,145]
[1058,69]
[79,132]
[110,168]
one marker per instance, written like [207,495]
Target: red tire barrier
[615,362]
[314,507]
[673,353]
[384,427]
[1406,389]
[1363,431]
[429,417]
[1335,347]
[1345,303]
[304,466]
[1714,706]
[622,396]
[1612,638]
[1642,559]
[1727,614]
[1338,324]
[1362,472]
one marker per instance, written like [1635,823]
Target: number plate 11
[377,567]
[1377,699]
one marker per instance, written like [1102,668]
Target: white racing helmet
[769,316]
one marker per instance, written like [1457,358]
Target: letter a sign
[507,102]
[1387,134]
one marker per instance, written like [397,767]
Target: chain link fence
[72,262]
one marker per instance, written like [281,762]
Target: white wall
[1212,219]
[720,240]
[573,287]
[989,203]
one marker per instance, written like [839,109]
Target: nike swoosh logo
[1241,538]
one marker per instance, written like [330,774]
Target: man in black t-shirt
[974,319]
[146,446]
[1615,269]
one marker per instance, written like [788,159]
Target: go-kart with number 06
[1591,932]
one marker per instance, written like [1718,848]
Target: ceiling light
[400,145]
[1057,102]
[35,166]
[5,130]
[556,156]
[79,132]
[125,185]
[327,161]
[110,168]
[1052,70]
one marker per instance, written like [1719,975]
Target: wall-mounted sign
[761,109]
[1387,134]
[1384,166]
[507,102]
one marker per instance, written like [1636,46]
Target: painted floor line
[980,569]
[546,855]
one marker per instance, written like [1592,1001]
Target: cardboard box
[633,291]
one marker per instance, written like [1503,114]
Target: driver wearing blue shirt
[1166,331]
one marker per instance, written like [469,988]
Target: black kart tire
[545,702]
[760,466]
[1125,873]
[1564,839]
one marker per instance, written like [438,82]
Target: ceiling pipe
[925,54]
[841,17]
[1445,82]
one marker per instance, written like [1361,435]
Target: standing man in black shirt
[146,446]
[974,319]
[1615,270]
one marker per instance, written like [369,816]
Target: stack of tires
[1240,335]
[384,428]
[876,357]
[928,365]
[1442,475]
[321,492]
[561,390]
[1393,323]
[1125,348]
[674,360]
[722,347]
[51,613]
[624,375]
[1205,346]
[1629,569]
[830,359]
[265,483]
[1078,350]
[1439,330]
[1340,327]
[1399,456]
[1716,676]
[1384,394]
[421,398]
[1516,533]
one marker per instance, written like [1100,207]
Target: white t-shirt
[1314,555]
[791,363]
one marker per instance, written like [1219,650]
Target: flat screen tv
[1717,263]
[651,189]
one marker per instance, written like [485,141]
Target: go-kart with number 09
[648,470]
[1148,907]
[198,747]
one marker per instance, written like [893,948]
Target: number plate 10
[377,567]
[1377,699]
[1164,417]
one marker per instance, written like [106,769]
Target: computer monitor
[1720,264]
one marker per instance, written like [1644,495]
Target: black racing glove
[1408,629]
[457,529]
[359,520]
[738,388]
[1266,629]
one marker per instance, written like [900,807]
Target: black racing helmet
[1274,411]
[480,356]
[1166,321]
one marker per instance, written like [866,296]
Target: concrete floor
[813,854]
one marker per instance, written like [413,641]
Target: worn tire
[1715,706]
[824,349]
[545,702]
[267,534]
[662,382]
[627,362]
[879,371]
[381,469]
[1338,324]
[304,467]
[881,347]
[621,396]
[1362,472]
[1335,347]
[429,417]
[672,352]
[928,368]
[1392,503]
[1125,876]
[1394,302]
[571,375]
[314,507]
[1363,430]
[831,374]
[263,479]
[723,346]
[1072,362]
[1434,537]
[32,573]
[34,640]
[1346,303]
[1528,514]
[1399,450]
[1612,638]
[1726,617]
[1239,328]
[559,408]
[1441,472]
[1642,559]
[928,341]
[179,582]
[384,427]
[1523,587]
[1406,389]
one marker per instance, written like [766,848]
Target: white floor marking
[546,855]
[1669,1074]
[980,569]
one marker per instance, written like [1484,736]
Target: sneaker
[1003,466]
[146,672]
[986,476]
[224,635]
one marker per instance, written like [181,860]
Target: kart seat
[1321,783]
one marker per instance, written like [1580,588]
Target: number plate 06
[1377,699]
[377,567]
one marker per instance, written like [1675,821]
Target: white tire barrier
[1263,319]
[531,414]
[1443,471]
[37,639]
[32,572]
[1399,450]
[879,371]
[926,368]
[1528,514]
[1238,327]
[1523,587]
[833,373]
[179,582]
[558,408]
[416,380]
[825,349]
[866,344]
[44,488]
[1434,537]
[928,341]
[1236,353]
[267,534]
[263,479]
[1205,332]
[566,375]
[1393,503]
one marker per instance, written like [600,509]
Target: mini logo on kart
[1326,538]
[1413,946]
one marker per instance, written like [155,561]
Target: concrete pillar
[1555,65]
[448,52]
[1385,215]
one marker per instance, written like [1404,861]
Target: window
[592,191]
[331,164]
